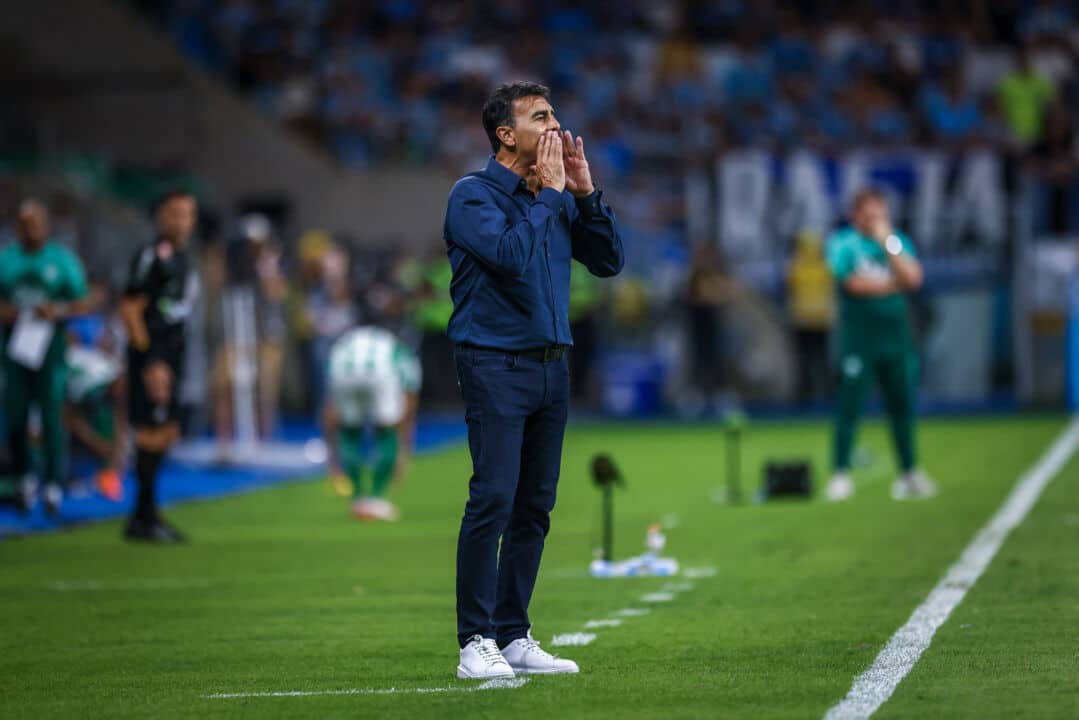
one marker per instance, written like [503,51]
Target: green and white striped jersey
[89,371]
[368,355]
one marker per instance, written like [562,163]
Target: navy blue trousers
[516,411]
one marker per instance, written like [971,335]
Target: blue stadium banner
[950,204]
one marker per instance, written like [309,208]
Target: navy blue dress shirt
[511,250]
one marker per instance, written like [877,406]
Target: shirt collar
[507,180]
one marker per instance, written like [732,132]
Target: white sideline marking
[657,597]
[699,572]
[133,584]
[592,624]
[632,612]
[497,684]
[677,587]
[573,639]
[872,688]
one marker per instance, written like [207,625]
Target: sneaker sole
[546,672]
[464,674]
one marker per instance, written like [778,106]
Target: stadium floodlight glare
[606,477]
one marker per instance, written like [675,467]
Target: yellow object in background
[810,290]
[630,302]
[341,485]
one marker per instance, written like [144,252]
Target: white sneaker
[480,660]
[383,509]
[362,509]
[526,657]
[913,485]
[840,488]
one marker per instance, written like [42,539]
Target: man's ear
[507,137]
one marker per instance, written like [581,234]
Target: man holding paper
[41,285]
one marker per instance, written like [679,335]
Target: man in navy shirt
[511,231]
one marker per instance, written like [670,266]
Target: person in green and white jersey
[374,382]
[95,413]
[42,284]
[875,267]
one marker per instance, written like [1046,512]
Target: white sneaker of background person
[840,487]
[913,485]
[481,660]
[383,509]
[526,657]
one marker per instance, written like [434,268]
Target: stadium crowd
[652,83]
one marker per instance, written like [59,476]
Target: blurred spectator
[313,246]
[433,308]
[942,43]
[1045,19]
[96,410]
[884,119]
[791,49]
[1024,94]
[1055,162]
[585,296]
[248,364]
[331,311]
[710,290]
[749,80]
[811,309]
[833,118]
[953,115]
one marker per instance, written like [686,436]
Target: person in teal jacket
[42,284]
[875,268]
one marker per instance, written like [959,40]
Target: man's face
[33,225]
[869,214]
[176,218]
[532,117]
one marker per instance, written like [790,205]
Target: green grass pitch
[282,591]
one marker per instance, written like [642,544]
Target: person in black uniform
[160,294]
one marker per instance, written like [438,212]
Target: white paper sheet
[30,340]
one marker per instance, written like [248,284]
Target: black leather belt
[551,353]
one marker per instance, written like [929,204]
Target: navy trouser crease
[516,410]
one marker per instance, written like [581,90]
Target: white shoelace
[488,651]
[533,646]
